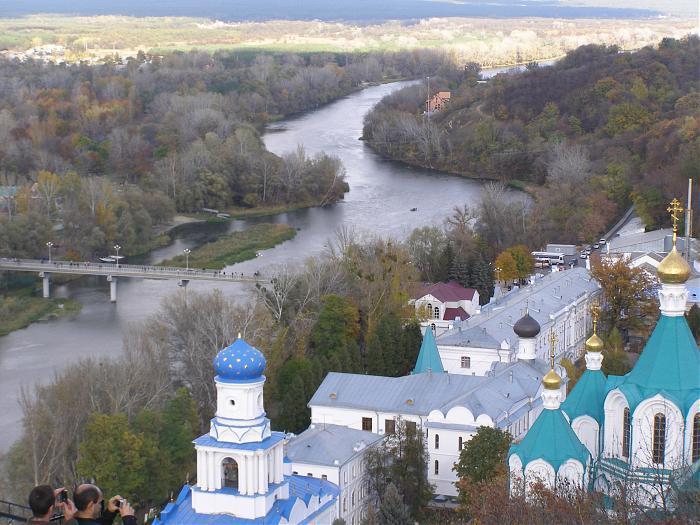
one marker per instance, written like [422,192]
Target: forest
[588,136]
[92,155]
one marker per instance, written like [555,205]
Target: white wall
[481,359]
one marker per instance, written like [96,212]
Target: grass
[235,247]
[263,211]
[19,309]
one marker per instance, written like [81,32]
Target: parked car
[596,246]
[584,255]
[602,242]
[440,498]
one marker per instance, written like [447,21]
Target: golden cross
[675,209]
[595,314]
[552,342]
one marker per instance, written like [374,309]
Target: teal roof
[669,365]
[551,439]
[587,397]
[428,357]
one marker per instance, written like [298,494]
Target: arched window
[626,427]
[461,442]
[229,473]
[658,446]
[437,467]
[466,361]
[696,438]
[437,313]
[430,309]
[437,441]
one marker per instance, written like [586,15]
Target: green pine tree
[392,510]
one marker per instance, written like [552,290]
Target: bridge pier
[112,288]
[183,282]
[46,288]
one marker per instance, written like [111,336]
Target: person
[42,501]
[90,508]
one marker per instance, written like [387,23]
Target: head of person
[42,501]
[88,501]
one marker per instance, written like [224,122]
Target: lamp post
[187,252]
[497,269]
[117,248]
[49,245]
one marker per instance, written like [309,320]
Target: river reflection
[382,194]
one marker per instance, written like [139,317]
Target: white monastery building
[445,304]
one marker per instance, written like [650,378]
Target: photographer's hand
[111,504]
[126,509]
[69,510]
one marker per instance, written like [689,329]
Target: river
[381,196]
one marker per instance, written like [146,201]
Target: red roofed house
[445,302]
[437,102]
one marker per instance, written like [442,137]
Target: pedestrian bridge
[113,270]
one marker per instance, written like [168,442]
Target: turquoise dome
[239,362]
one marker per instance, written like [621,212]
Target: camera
[118,503]
[63,496]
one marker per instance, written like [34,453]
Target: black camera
[118,503]
[63,496]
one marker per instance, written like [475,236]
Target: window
[345,476]
[323,476]
[466,362]
[437,441]
[695,440]
[310,474]
[367,423]
[658,446]
[626,432]
[430,309]
[352,501]
[437,313]
[461,442]
[389,426]
[437,467]
[229,469]
[345,504]
[354,471]
[411,427]
[295,473]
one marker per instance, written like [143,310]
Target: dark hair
[82,497]
[40,500]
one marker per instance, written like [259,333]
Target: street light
[187,252]
[117,247]
[50,245]
[498,270]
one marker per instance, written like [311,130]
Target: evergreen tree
[371,518]
[460,271]
[481,278]
[392,510]
[411,339]
[446,261]
[180,425]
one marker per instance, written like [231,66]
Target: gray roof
[324,444]
[546,296]
[419,394]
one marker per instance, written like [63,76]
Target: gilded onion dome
[673,269]
[594,343]
[551,380]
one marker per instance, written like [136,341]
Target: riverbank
[19,309]
[235,247]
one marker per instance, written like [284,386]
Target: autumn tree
[628,295]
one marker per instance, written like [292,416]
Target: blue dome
[239,362]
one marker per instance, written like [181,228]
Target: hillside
[590,135]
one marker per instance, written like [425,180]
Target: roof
[207,441]
[301,489]
[587,397]
[453,313]
[669,365]
[494,395]
[326,444]
[552,439]
[428,357]
[450,291]
[545,297]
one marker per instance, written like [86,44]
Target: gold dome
[551,380]
[594,343]
[673,269]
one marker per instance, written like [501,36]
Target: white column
[112,288]
[250,472]
[270,466]
[262,482]
[201,471]
[210,468]
[279,460]
[242,487]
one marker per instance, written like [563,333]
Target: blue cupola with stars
[239,362]
[240,414]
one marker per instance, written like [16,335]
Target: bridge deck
[126,270]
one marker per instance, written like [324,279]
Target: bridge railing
[125,269]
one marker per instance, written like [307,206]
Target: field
[490,42]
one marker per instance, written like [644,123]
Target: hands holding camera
[117,503]
[64,503]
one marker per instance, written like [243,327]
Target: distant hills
[330,10]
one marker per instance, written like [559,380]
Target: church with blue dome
[635,436]
[243,476]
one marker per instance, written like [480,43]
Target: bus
[548,258]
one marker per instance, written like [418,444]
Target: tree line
[588,136]
[93,155]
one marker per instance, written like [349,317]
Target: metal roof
[494,395]
[326,444]
[544,298]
